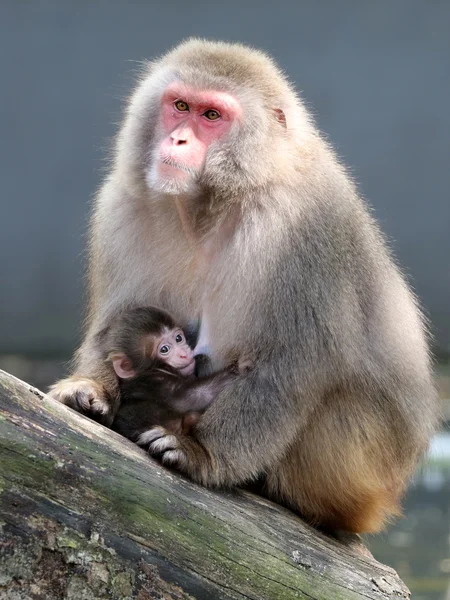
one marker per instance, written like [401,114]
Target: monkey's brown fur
[285,265]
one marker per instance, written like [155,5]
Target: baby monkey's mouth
[188,369]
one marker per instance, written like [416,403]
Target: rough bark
[86,514]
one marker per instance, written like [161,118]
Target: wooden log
[88,515]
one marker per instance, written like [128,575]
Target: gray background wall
[376,73]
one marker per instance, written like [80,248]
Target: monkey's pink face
[172,348]
[191,120]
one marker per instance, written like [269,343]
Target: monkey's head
[144,338]
[212,116]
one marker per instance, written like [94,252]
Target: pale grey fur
[340,403]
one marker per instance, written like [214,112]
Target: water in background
[416,546]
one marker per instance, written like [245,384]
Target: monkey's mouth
[170,162]
[188,369]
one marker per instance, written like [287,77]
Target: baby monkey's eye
[212,115]
[179,338]
[164,349]
[181,106]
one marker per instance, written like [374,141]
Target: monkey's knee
[336,496]
[365,511]
[84,395]
[361,512]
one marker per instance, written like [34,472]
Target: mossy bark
[85,514]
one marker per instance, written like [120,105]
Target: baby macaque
[155,366]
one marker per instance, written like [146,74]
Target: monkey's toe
[174,458]
[149,436]
[163,444]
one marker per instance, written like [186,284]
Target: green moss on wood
[116,525]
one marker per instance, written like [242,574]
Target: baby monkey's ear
[122,365]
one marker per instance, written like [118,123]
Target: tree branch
[88,515]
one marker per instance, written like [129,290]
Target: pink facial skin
[170,347]
[173,349]
[192,120]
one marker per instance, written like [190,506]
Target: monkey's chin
[188,369]
[171,181]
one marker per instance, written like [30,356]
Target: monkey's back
[144,403]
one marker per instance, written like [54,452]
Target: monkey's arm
[197,395]
[246,429]
[342,357]
[92,388]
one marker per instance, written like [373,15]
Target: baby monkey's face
[171,347]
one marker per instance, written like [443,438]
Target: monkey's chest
[203,345]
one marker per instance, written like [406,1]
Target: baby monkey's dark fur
[157,394]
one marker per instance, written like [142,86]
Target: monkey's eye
[212,115]
[164,349]
[179,338]
[181,106]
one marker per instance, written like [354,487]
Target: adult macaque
[155,367]
[224,201]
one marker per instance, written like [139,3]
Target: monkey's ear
[122,366]
[280,116]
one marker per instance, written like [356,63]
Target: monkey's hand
[85,396]
[180,452]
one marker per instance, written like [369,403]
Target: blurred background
[377,78]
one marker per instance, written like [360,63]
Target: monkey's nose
[179,140]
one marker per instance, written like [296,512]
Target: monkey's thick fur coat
[340,403]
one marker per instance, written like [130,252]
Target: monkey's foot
[164,446]
[180,452]
[85,396]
